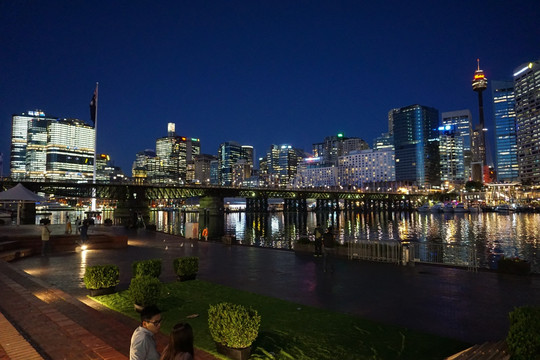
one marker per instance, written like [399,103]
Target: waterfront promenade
[468,306]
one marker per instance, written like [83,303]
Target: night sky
[255,72]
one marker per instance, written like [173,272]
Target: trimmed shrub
[186,266]
[233,325]
[514,266]
[150,267]
[524,334]
[101,276]
[145,290]
[304,240]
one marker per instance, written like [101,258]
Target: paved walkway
[471,307]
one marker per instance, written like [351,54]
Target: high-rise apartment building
[506,164]
[527,98]
[48,148]
[455,146]
[335,146]
[311,174]
[417,145]
[366,167]
[202,164]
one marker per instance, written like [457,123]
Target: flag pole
[95,150]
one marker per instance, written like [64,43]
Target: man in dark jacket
[328,250]
[318,240]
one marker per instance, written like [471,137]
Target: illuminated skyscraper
[335,146]
[228,154]
[505,130]
[455,146]
[48,148]
[479,84]
[175,152]
[527,97]
[416,145]
[282,164]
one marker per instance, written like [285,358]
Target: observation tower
[479,84]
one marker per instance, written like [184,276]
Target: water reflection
[513,235]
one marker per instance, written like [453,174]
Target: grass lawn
[289,330]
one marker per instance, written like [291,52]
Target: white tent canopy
[20,194]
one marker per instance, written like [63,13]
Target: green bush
[514,266]
[524,334]
[147,267]
[186,266]
[145,290]
[303,240]
[233,325]
[101,276]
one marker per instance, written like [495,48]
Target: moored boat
[436,208]
[448,208]
[504,208]
[460,208]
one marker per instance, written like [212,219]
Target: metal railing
[445,254]
[404,253]
[383,251]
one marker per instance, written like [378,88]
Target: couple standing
[325,241]
[143,344]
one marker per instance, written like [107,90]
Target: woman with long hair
[180,345]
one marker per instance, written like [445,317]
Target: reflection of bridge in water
[130,200]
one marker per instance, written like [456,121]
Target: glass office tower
[527,97]
[455,146]
[416,145]
[48,148]
[505,131]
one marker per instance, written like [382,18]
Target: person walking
[77,225]
[318,240]
[328,250]
[180,345]
[68,225]
[45,238]
[84,231]
[143,344]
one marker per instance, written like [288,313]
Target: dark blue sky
[255,72]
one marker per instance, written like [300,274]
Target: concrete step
[485,351]
[14,254]
[8,244]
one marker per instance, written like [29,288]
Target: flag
[93,106]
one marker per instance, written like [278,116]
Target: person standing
[143,344]
[77,225]
[329,244]
[68,225]
[318,240]
[84,231]
[45,238]
[180,345]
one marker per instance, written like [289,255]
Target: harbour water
[514,235]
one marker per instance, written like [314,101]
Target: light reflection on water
[514,235]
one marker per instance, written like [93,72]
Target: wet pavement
[467,306]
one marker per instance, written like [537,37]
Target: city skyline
[256,73]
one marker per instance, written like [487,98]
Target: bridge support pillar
[211,216]
[132,208]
